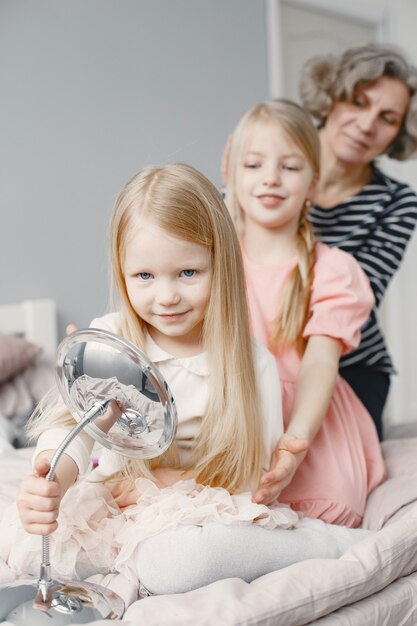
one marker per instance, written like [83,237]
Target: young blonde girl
[307,304]
[185,519]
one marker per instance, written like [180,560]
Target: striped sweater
[375,226]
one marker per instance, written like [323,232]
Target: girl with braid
[307,303]
[186,519]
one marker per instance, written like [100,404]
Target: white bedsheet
[374,582]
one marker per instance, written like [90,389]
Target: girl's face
[359,131]
[273,179]
[168,282]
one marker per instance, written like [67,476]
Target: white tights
[188,557]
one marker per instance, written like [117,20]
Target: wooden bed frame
[35,320]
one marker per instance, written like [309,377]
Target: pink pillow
[15,355]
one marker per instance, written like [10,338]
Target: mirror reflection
[140,418]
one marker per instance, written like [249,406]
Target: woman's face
[359,131]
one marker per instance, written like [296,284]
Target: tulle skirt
[95,536]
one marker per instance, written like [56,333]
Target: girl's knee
[174,561]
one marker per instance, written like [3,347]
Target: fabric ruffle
[95,536]
[83,543]
[187,502]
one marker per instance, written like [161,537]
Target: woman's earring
[307,204]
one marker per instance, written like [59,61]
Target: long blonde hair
[184,203]
[292,311]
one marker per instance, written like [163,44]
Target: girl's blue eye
[145,275]
[188,273]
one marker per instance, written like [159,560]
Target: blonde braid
[293,312]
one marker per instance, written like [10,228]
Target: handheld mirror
[94,366]
[116,393]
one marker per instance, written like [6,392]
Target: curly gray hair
[328,79]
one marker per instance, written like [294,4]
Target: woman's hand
[38,501]
[285,460]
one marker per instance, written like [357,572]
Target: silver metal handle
[45,581]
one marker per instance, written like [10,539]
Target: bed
[28,341]
[374,582]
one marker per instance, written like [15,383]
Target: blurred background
[94,90]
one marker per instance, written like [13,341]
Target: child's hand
[126,494]
[38,501]
[285,460]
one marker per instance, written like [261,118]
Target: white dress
[94,535]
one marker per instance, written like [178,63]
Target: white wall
[92,91]
[395,22]
[401,299]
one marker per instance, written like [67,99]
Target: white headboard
[36,320]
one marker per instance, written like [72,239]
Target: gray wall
[92,91]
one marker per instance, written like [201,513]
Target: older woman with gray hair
[365,104]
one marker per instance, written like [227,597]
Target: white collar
[197,364]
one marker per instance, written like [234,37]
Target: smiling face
[273,179]
[359,131]
[168,282]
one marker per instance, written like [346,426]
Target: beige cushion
[15,355]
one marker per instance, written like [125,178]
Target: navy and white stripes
[374,226]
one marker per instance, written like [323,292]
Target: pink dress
[344,462]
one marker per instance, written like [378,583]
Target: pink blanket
[374,582]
